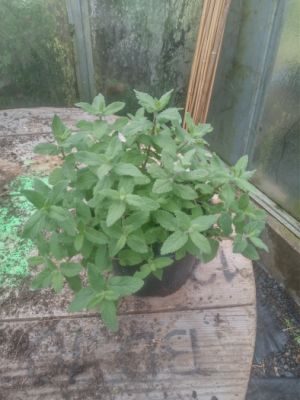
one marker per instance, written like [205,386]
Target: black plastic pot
[174,276]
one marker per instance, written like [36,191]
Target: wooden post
[210,36]
[78,13]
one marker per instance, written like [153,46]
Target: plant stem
[149,147]
[182,145]
[147,157]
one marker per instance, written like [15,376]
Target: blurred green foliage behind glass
[37,65]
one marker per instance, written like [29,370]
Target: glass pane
[36,54]
[277,143]
[144,45]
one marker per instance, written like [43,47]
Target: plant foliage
[142,191]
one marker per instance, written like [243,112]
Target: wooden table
[194,344]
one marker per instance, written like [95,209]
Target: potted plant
[134,203]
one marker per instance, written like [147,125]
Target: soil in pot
[174,276]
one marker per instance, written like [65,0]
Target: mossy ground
[14,250]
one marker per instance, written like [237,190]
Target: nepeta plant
[140,190]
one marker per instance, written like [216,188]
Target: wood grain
[35,121]
[180,355]
[207,52]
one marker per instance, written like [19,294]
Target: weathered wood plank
[179,355]
[226,281]
[34,121]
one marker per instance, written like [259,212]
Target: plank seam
[96,315]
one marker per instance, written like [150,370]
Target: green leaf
[166,220]
[103,170]
[56,247]
[239,222]
[254,228]
[36,198]
[180,254]
[204,222]
[188,157]
[120,123]
[165,141]
[174,242]
[156,171]
[95,236]
[95,277]
[225,223]
[259,243]
[83,210]
[57,281]
[88,108]
[214,245]
[162,185]
[82,299]
[35,260]
[201,242]
[227,195]
[137,243]
[41,187]
[146,101]
[239,244]
[137,219]
[58,192]
[169,115]
[167,160]
[70,269]
[43,279]
[165,99]
[197,175]
[59,130]
[126,184]
[244,185]
[85,126]
[74,282]
[115,212]
[88,158]
[143,203]
[136,126]
[118,245]
[129,257]
[158,274]
[114,148]
[241,165]
[127,170]
[102,261]
[144,271]
[125,285]
[101,129]
[46,149]
[250,252]
[205,188]
[59,214]
[34,224]
[108,312]
[56,175]
[114,108]
[184,221]
[99,103]
[185,192]
[154,235]
[162,262]
[69,226]
[244,201]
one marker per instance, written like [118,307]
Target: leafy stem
[148,151]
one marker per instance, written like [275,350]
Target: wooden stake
[207,53]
